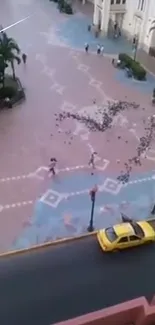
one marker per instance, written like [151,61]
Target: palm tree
[10,51]
[3,66]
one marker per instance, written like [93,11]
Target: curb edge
[47,244]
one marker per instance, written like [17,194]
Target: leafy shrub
[125,59]
[65,7]
[61,5]
[7,91]
[138,71]
[68,9]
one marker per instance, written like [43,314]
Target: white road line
[139,181]
[100,189]
[68,195]
[15,205]
[14,178]
[71,168]
[78,193]
[30,175]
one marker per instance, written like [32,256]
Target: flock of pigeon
[106,122]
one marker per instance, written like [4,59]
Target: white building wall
[128,23]
[101,14]
[149,36]
[136,20]
[105,15]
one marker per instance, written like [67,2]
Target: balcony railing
[118,8]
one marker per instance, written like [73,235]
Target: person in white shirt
[102,49]
[86,47]
[92,160]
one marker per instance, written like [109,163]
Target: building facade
[131,17]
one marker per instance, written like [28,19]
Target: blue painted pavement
[143,86]
[74,32]
[59,213]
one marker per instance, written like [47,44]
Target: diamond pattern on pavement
[111,186]
[83,67]
[51,198]
[95,83]
[67,107]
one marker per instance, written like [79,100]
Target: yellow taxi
[127,234]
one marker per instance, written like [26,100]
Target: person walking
[52,165]
[89,28]
[113,61]
[96,33]
[24,58]
[98,49]
[86,47]
[102,50]
[92,160]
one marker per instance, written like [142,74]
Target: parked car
[126,235]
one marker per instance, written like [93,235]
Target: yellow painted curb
[49,243]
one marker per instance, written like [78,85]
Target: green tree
[3,66]
[9,52]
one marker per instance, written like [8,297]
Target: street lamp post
[93,197]
[135,49]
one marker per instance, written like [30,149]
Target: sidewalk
[112,48]
[146,60]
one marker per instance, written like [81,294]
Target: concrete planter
[10,102]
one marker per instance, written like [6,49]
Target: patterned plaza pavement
[59,76]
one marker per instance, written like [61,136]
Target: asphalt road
[65,281]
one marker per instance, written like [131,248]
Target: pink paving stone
[118,157]
[19,191]
[71,153]
[104,71]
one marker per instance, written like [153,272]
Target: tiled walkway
[146,60]
[75,33]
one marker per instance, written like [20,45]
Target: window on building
[123,2]
[118,2]
[142,5]
[139,3]
[112,2]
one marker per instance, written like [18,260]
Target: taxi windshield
[111,235]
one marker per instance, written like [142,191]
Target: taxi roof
[124,229]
